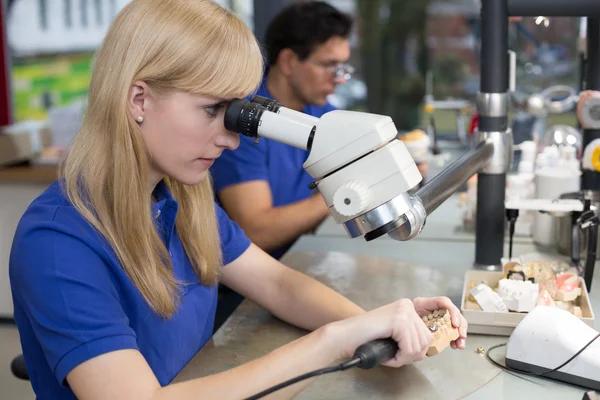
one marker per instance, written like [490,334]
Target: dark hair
[303,26]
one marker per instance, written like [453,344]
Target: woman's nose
[227,139]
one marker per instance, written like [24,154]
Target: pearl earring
[140,119]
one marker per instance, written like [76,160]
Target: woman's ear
[137,100]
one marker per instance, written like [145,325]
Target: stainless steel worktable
[372,274]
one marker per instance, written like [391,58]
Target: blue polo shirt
[280,165]
[73,301]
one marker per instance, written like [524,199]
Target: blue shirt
[73,300]
[280,165]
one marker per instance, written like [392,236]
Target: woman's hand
[398,320]
[427,305]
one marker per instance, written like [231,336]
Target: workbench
[373,274]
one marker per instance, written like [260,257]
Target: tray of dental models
[495,302]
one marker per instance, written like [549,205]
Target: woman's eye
[213,110]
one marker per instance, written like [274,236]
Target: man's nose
[340,80]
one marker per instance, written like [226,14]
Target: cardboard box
[23,142]
[501,323]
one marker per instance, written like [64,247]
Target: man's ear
[137,100]
[287,61]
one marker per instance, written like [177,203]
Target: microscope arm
[447,182]
[428,198]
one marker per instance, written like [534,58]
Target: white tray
[502,324]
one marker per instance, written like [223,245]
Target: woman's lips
[207,161]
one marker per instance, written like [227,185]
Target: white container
[528,151]
[504,323]
[551,183]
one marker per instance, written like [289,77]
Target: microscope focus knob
[351,199]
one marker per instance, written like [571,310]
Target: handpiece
[366,356]
[376,352]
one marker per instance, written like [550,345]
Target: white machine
[548,337]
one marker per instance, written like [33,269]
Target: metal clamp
[559,106]
[503,151]
[401,218]
[492,104]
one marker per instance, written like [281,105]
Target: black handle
[589,221]
[590,261]
[374,353]
[511,215]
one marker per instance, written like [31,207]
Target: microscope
[361,169]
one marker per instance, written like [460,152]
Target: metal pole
[590,180]
[492,107]
[553,8]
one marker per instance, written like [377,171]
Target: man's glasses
[339,70]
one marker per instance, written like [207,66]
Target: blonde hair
[194,46]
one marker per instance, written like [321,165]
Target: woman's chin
[191,178]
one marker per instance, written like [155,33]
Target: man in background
[263,186]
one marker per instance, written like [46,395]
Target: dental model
[440,324]
[519,296]
[568,287]
[488,300]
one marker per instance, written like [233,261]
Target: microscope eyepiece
[269,104]
[243,117]
[254,120]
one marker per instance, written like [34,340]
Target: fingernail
[457,322]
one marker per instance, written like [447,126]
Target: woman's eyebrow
[218,103]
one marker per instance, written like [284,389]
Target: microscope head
[359,166]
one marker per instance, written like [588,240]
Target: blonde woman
[114,268]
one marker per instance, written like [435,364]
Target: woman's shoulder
[53,239]
[51,206]
[49,216]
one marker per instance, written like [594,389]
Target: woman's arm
[125,374]
[286,293]
[292,296]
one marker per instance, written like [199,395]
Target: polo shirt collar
[164,211]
